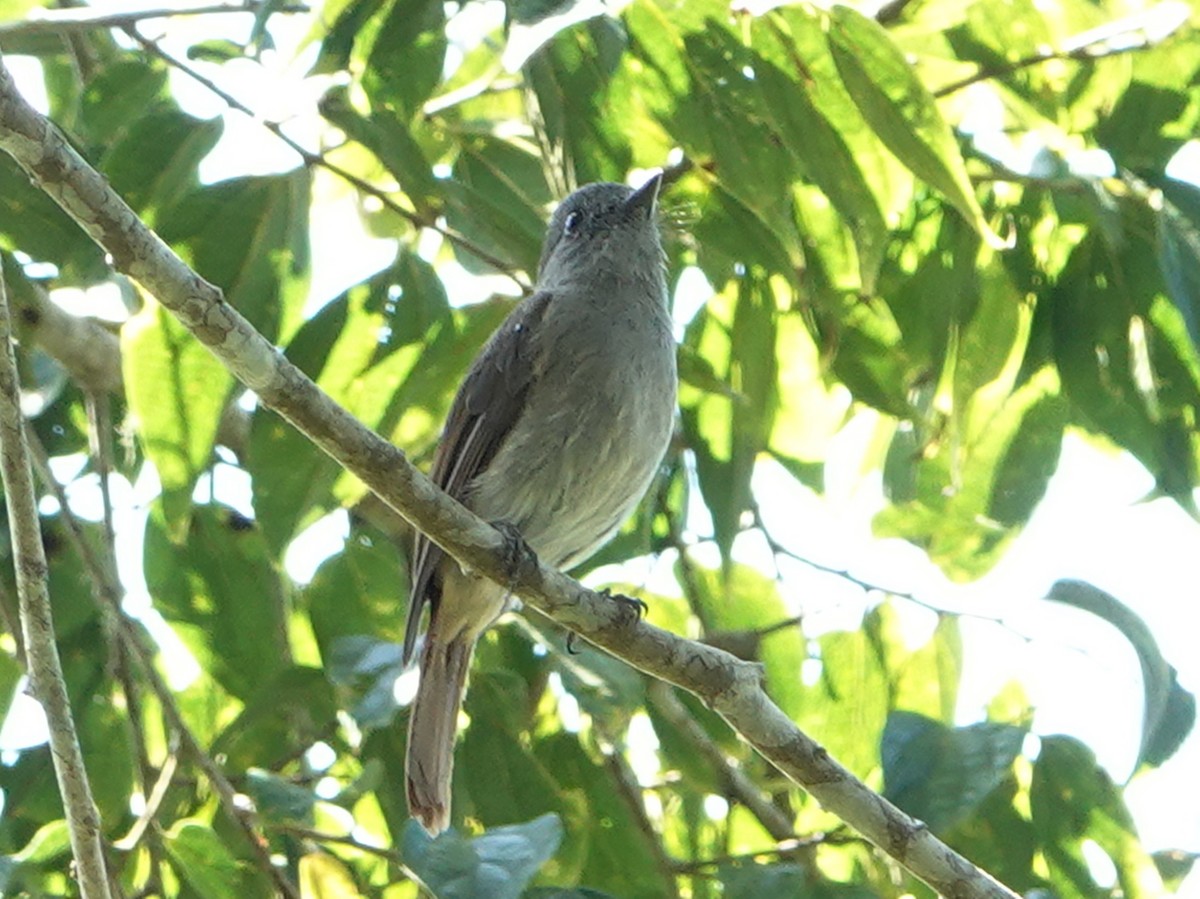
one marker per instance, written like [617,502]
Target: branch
[1125,35]
[75,21]
[37,625]
[732,687]
[740,786]
[90,352]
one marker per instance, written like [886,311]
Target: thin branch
[784,849]
[321,836]
[154,800]
[108,593]
[1099,47]
[84,19]
[37,625]
[731,687]
[318,160]
[90,352]
[740,786]
[630,793]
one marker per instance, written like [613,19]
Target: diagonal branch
[730,686]
[37,625]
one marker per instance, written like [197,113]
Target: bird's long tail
[432,726]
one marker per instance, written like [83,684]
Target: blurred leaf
[1165,707]
[406,59]
[498,864]
[323,876]
[279,800]
[369,667]
[249,236]
[156,161]
[727,436]
[176,390]
[202,860]
[1072,800]
[217,50]
[604,829]
[502,781]
[35,225]
[1179,255]
[570,75]
[939,774]
[393,142]
[221,592]
[496,199]
[902,111]
[285,716]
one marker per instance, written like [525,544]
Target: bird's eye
[572,222]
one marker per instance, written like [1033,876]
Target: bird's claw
[518,554]
[637,606]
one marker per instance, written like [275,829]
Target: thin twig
[84,19]
[1088,52]
[37,625]
[321,836]
[154,798]
[318,160]
[784,848]
[630,793]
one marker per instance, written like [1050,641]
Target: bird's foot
[632,606]
[519,557]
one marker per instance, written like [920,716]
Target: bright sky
[1093,525]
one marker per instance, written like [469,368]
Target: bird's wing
[488,404]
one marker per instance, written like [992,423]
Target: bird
[557,431]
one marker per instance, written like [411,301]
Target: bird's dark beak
[642,199]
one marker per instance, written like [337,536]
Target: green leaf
[825,154]
[368,667]
[217,50]
[156,161]
[1072,800]
[249,236]
[35,225]
[496,773]
[571,76]
[177,391]
[497,199]
[902,111]
[287,714]
[1179,254]
[323,876]
[202,860]
[394,143]
[407,56]
[498,864]
[221,591]
[726,436]
[278,799]
[51,841]
[1163,703]
[941,775]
